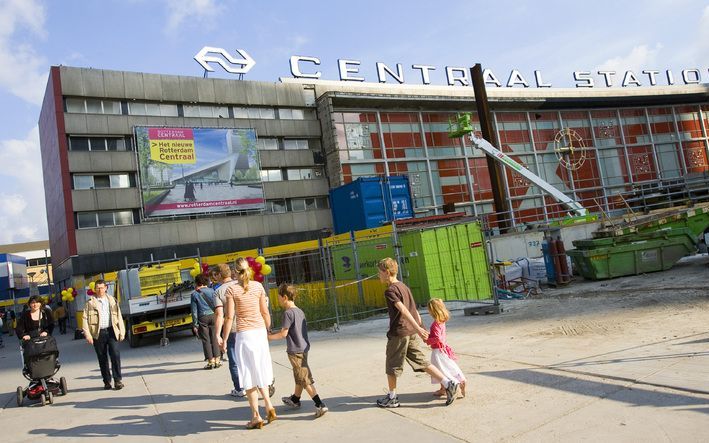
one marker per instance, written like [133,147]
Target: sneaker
[320,411]
[289,402]
[388,402]
[239,393]
[451,392]
[119,385]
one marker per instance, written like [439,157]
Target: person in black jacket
[35,321]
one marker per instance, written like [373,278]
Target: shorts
[301,371]
[407,348]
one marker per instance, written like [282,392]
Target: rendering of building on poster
[186,171]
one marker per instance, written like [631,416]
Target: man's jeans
[231,355]
[106,344]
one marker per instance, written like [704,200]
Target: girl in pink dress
[442,356]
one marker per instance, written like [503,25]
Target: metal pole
[495,171]
[355,258]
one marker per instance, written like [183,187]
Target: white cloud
[22,71]
[202,11]
[639,58]
[23,215]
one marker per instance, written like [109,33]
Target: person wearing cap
[104,328]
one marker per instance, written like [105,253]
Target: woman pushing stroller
[35,321]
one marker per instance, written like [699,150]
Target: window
[267,144]
[276,206]
[290,114]
[104,218]
[205,111]
[297,204]
[271,175]
[92,106]
[97,144]
[103,181]
[293,144]
[154,109]
[303,173]
[255,113]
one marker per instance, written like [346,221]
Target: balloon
[65,292]
[258,278]
[71,299]
[265,269]
[70,290]
[205,268]
[90,292]
[249,260]
[92,285]
[194,273]
[256,267]
[196,266]
[260,259]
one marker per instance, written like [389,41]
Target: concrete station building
[314,135]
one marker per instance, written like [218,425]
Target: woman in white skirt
[442,356]
[247,300]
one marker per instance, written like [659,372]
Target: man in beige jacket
[104,328]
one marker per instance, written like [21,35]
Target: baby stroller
[41,358]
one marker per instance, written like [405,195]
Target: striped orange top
[247,304]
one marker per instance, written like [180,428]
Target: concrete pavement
[591,366]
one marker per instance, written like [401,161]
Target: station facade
[313,135]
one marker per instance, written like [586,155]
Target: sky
[162,36]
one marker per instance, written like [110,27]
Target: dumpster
[448,262]
[632,254]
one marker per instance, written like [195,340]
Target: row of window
[126,144]
[282,144]
[280,206]
[104,181]
[276,175]
[117,107]
[42,261]
[105,218]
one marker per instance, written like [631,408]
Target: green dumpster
[632,254]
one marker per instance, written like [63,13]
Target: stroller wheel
[20,396]
[62,386]
[43,399]
[50,397]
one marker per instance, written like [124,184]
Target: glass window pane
[111,107]
[105,218]
[86,219]
[220,111]
[102,182]
[264,176]
[241,112]
[98,144]
[297,204]
[275,175]
[293,174]
[278,206]
[253,113]
[120,181]
[168,110]
[268,113]
[123,217]
[323,203]
[190,110]
[93,106]
[79,143]
[297,114]
[285,114]
[152,109]
[310,204]
[112,144]
[135,108]
[83,181]
[75,105]
[268,144]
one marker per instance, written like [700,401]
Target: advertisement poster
[186,171]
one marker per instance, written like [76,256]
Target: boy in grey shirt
[295,330]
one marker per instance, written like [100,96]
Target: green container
[651,252]
[369,252]
[449,262]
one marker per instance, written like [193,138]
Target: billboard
[185,171]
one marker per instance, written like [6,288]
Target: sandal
[271,415]
[217,364]
[254,424]
[209,366]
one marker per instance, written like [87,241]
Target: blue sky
[162,36]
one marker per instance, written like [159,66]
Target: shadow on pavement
[635,396]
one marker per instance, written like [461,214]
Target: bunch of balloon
[258,268]
[194,272]
[68,294]
[92,286]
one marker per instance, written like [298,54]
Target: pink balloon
[256,267]
[258,278]
[250,261]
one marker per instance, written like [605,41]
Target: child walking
[442,356]
[294,329]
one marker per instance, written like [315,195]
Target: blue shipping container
[369,202]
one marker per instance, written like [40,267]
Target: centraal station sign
[302,66]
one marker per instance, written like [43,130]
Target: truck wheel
[133,340]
